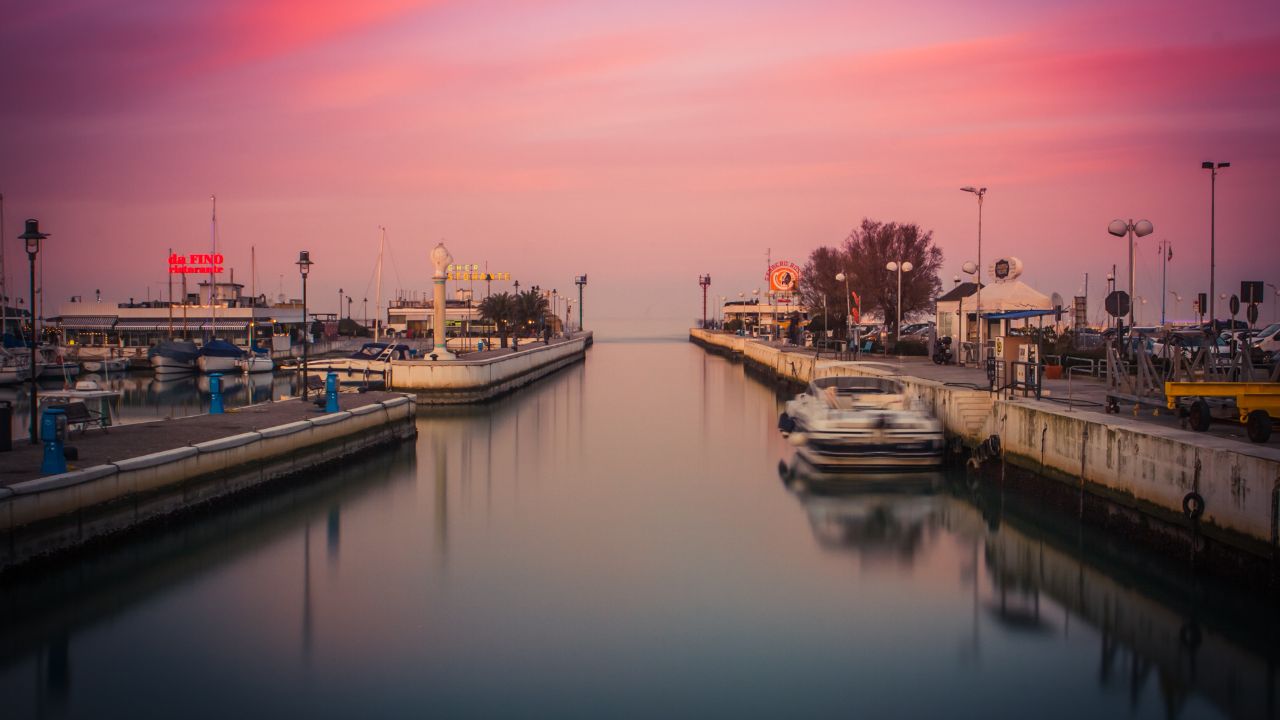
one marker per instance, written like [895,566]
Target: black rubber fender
[1193,505]
[786,423]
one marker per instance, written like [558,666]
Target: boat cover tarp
[221,348]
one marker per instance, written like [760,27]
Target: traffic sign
[1117,303]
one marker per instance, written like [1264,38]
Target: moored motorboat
[368,364]
[14,368]
[51,365]
[861,422]
[256,364]
[174,357]
[219,356]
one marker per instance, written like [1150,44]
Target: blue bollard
[331,392]
[215,394]
[53,430]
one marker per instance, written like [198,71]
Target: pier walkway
[120,442]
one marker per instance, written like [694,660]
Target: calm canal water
[617,541]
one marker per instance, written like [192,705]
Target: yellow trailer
[1257,403]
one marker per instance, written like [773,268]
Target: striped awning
[225,325]
[148,325]
[87,322]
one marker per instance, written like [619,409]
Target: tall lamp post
[848,305]
[704,282]
[899,267]
[304,269]
[1213,169]
[1120,228]
[980,193]
[339,306]
[581,282]
[32,237]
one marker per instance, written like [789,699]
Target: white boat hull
[212,364]
[256,364]
[111,365]
[168,366]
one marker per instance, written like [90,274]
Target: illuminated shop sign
[472,271]
[196,263]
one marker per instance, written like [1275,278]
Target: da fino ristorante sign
[207,264]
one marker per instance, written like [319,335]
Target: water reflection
[616,540]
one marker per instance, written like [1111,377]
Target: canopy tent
[1012,295]
[1017,314]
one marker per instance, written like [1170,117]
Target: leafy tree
[862,257]
[531,308]
[499,309]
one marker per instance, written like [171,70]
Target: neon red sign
[196,263]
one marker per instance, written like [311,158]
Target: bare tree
[862,257]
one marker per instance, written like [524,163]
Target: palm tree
[499,309]
[531,307]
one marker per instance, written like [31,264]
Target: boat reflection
[887,514]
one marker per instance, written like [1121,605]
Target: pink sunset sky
[642,143]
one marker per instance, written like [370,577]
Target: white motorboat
[256,364]
[368,364]
[862,423]
[103,405]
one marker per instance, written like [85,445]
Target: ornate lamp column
[440,259]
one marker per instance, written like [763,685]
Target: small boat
[103,405]
[252,363]
[219,356]
[174,357]
[14,367]
[861,423]
[53,366]
[106,365]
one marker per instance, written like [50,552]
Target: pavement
[98,446]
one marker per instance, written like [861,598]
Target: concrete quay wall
[1148,467]
[59,512]
[466,381]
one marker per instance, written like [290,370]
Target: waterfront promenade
[128,474]
[1144,462]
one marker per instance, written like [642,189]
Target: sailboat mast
[377,301]
[213,288]
[170,278]
[253,292]
[4,290]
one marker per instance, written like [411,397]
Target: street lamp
[848,305]
[339,307]
[1120,228]
[1177,299]
[704,282]
[304,268]
[899,267]
[580,281]
[33,236]
[1213,169]
[980,193]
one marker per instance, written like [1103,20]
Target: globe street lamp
[1213,169]
[899,267]
[1120,228]
[848,305]
[980,193]
[32,237]
[304,268]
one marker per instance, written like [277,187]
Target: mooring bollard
[215,394]
[331,392]
[53,430]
